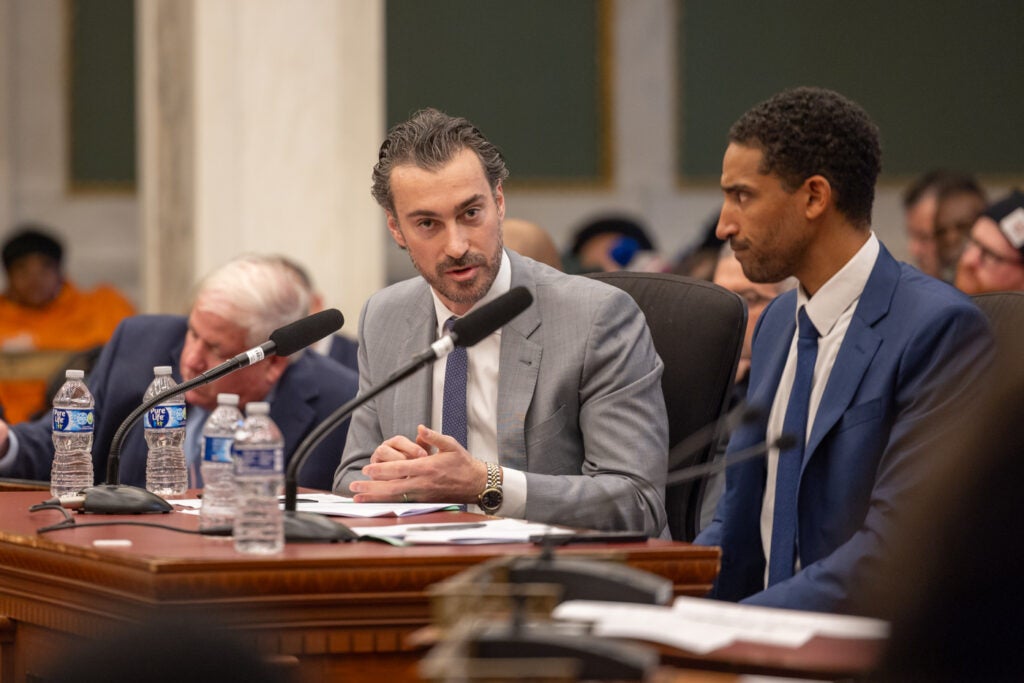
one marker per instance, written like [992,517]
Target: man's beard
[468,292]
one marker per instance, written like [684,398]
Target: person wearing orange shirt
[40,310]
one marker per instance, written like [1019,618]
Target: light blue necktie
[454,419]
[787,482]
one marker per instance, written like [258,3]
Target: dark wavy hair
[813,131]
[429,140]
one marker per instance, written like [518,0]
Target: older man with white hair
[235,307]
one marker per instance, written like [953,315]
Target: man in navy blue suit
[864,365]
[236,307]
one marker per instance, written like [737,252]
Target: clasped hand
[434,468]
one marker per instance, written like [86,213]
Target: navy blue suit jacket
[904,368]
[309,390]
[345,351]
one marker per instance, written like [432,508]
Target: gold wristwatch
[490,498]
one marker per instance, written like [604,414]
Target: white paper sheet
[340,506]
[756,619]
[475,533]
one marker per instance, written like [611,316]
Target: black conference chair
[698,329]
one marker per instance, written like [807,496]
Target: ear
[396,232]
[499,199]
[818,192]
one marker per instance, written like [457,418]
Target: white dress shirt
[830,309]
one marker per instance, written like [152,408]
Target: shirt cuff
[513,493]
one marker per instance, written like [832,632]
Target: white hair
[258,293]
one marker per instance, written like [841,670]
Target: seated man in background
[530,240]
[235,308]
[919,203]
[611,243]
[958,203]
[864,369]
[994,258]
[40,310]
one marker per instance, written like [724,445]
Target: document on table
[340,506]
[473,533]
[700,625]
[754,619]
[653,623]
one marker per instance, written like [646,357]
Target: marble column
[260,122]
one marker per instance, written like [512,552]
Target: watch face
[490,499]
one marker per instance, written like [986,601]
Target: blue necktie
[784,522]
[454,420]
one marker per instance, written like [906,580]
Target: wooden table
[343,610]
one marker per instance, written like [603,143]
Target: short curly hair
[429,140]
[813,131]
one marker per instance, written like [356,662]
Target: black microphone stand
[310,527]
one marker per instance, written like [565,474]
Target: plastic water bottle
[72,436]
[259,474]
[218,471]
[166,472]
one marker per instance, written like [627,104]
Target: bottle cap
[162,370]
[74,374]
[227,399]
[257,408]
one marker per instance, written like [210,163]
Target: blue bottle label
[217,448]
[165,417]
[76,420]
[258,460]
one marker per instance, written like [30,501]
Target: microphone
[466,331]
[113,498]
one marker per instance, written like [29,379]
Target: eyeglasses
[989,257]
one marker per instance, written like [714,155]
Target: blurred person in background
[959,201]
[919,202]
[610,243]
[530,240]
[993,260]
[41,310]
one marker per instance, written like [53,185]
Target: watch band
[490,498]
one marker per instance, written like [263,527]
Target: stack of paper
[702,626]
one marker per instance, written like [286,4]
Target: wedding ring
[405,497]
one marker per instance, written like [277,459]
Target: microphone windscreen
[489,317]
[302,333]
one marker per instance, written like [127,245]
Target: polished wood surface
[344,610]
[820,658]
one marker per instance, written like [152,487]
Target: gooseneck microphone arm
[334,420]
[466,331]
[238,362]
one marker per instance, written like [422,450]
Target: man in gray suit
[564,419]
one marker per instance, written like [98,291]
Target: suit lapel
[518,369]
[412,400]
[858,349]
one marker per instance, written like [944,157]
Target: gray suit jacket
[580,406]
